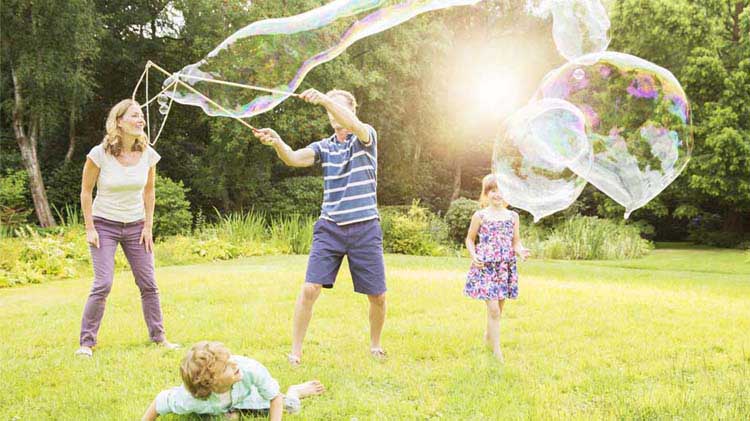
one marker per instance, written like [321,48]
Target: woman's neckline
[143,153]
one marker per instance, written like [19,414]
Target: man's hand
[314,97]
[267,136]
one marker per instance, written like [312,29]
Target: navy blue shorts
[360,242]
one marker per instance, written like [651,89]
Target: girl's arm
[149,200]
[471,236]
[151,413]
[90,175]
[277,408]
[517,246]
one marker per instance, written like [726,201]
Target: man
[349,223]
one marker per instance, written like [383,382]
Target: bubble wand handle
[239,85]
[195,91]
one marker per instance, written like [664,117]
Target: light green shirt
[255,391]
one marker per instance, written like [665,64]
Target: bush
[238,227]
[292,234]
[172,210]
[458,218]
[64,185]
[15,200]
[707,229]
[295,195]
[589,238]
[417,232]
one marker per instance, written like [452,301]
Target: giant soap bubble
[276,54]
[540,154]
[637,121]
[579,27]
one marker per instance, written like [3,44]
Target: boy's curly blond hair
[203,362]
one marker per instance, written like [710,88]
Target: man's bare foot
[294,360]
[232,415]
[311,388]
[499,355]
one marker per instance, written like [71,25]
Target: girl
[123,167]
[493,276]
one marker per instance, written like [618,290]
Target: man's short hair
[344,94]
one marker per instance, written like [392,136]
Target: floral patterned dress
[498,278]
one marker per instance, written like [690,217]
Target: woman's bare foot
[499,355]
[232,415]
[311,388]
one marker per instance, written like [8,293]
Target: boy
[217,382]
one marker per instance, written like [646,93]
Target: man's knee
[377,300]
[310,292]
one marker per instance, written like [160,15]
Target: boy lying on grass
[217,382]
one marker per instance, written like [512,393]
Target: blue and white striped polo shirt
[349,178]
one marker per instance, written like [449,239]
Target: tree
[706,45]
[48,49]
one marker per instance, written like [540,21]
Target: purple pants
[141,263]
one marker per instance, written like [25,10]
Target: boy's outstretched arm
[151,413]
[277,408]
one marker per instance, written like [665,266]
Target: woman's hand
[92,237]
[147,239]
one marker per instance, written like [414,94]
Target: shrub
[292,234]
[587,238]
[295,195]
[416,232]
[238,227]
[15,200]
[172,210]
[458,218]
[707,229]
[64,185]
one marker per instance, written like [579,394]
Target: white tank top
[119,188]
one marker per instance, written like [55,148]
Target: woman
[123,167]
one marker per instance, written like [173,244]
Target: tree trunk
[456,181]
[27,144]
[734,222]
[71,137]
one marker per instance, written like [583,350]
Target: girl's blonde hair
[489,183]
[344,94]
[200,367]
[112,141]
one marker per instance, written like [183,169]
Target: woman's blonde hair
[346,95]
[112,141]
[202,364]
[489,183]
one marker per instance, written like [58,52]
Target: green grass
[663,337]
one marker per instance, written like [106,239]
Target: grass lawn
[665,336]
